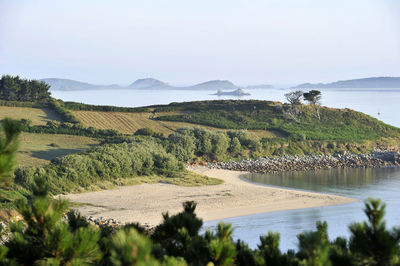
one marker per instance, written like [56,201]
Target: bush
[148,132]
[235,146]
[182,146]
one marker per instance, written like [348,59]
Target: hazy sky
[189,41]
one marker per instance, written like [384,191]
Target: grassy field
[39,149]
[38,116]
[128,123]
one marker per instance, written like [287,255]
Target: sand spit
[235,197]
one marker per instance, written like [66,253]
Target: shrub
[182,146]
[235,146]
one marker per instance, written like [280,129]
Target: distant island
[375,82]
[73,85]
[238,92]
[57,84]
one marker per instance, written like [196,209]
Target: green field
[38,116]
[38,149]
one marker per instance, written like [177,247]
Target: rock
[312,162]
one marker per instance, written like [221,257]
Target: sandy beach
[145,203]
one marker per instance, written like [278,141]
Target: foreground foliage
[44,237]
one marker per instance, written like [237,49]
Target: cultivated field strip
[128,123]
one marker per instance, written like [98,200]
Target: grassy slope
[335,124]
[38,116]
[39,149]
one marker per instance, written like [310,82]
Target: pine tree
[314,246]
[44,238]
[8,148]
[371,242]
[221,246]
[178,236]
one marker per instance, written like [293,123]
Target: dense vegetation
[109,163]
[188,143]
[104,108]
[17,89]
[130,157]
[55,127]
[334,124]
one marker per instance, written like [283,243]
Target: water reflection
[357,181]
[381,183]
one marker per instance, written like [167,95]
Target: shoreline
[377,159]
[236,197]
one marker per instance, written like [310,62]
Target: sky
[190,41]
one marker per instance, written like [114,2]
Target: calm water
[356,183]
[383,183]
[381,103]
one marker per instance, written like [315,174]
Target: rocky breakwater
[312,162]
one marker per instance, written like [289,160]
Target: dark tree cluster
[17,89]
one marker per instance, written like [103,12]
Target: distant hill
[378,82]
[215,85]
[145,84]
[73,85]
[149,83]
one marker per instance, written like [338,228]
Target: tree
[314,246]
[269,249]
[221,246]
[370,242]
[182,146]
[235,146]
[43,238]
[17,89]
[178,235]
[8,148]
[313,97]
[294,97]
